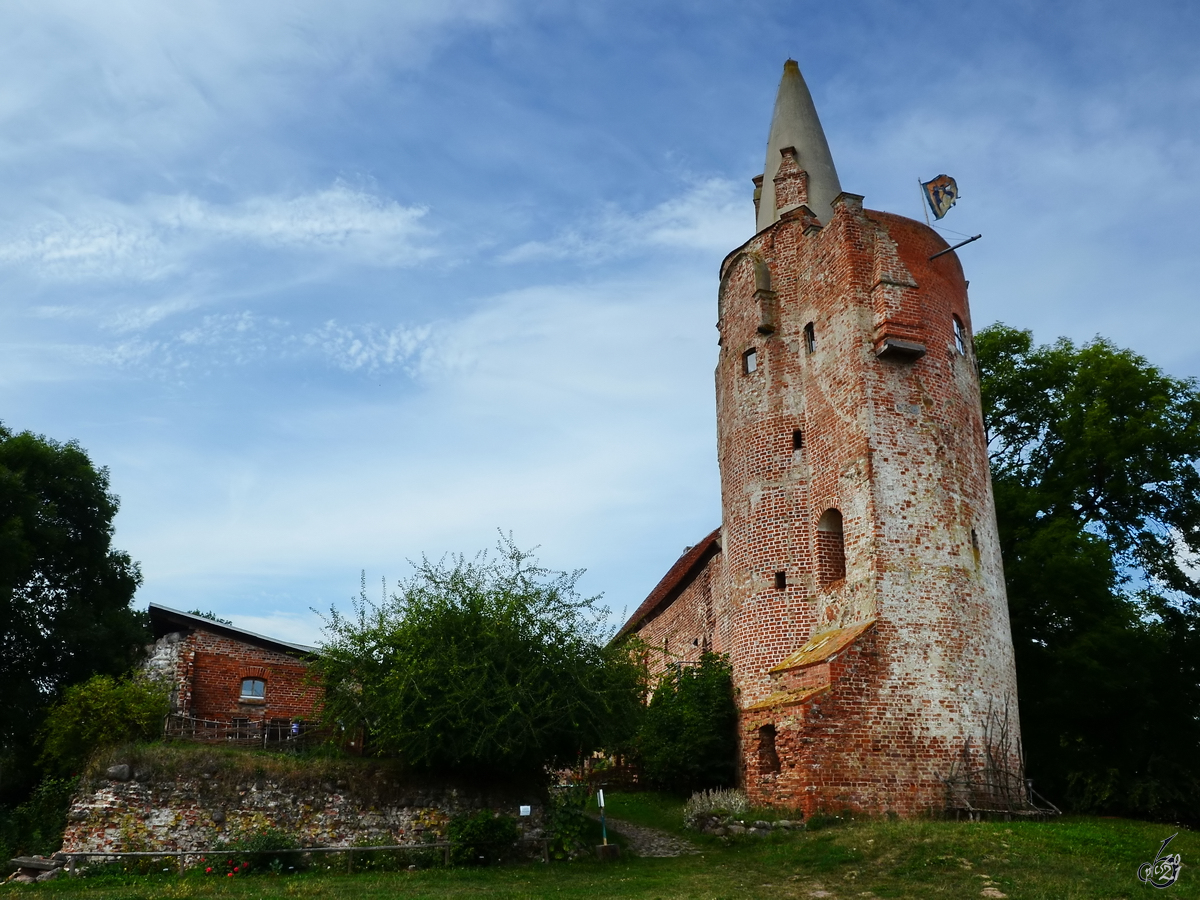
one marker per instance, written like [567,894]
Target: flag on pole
[942,193]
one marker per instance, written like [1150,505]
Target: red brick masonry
[860,410]
[207,663]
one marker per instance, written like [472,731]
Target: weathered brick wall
[208,670]
[897,446]
[687,626]
[812,417]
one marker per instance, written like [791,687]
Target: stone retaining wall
[133,808]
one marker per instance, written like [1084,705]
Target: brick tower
[868,624]
[855,581]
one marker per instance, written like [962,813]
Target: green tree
[493,665]
[99,712]
[1094,465]
[688,739]
[64,591]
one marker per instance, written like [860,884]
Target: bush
[258,852]
[102,711]
[488,667]
[688,739]
[717,802]
[36,826]
[566,820]
[482,838]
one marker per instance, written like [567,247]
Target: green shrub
[257,852]
[566,820]
[102,711]
[688,738]
[36,826]
[482,838]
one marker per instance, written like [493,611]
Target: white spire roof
[795,124]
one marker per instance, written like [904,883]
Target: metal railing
[73,857]
[280,734]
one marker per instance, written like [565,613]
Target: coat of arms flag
[942,193]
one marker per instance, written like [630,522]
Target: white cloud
[87,249]
[147,241]
[340,219]
[219,341]
[709,217]
[372,348]
[157,76]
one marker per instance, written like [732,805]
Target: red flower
[208,870]
[230,875]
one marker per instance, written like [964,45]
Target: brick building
[855,580]
[231,684]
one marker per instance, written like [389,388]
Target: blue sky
[329,286]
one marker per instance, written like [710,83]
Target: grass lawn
[1068,859]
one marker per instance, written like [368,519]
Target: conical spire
[795,124]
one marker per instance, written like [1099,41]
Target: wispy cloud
[708,217]
[147,241]
[373,348]
[88,249]
[339,219]
[219,341]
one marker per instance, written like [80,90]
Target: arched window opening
[831,548]
[750,361]
[960,337]
[254,689]
[768,758]
[810,338]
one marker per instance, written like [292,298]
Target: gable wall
[209,672]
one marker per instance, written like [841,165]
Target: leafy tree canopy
[1101,438]
[490,665]
[1094,465]
[64,591]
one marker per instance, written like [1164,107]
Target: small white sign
[600,797]
[525,810]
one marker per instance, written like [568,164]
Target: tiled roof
[687,567]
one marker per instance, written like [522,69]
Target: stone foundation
[193,798]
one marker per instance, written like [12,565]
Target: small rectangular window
[810,338]
[797,439]
[780,580]
[253,689]
[750,361]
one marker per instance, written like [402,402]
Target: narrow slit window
[797,439]
[253,689]
[810,338]
[750,361]
[960,337]
[780,580]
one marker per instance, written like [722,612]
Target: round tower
[864,612]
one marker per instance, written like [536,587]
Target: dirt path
[645,841]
